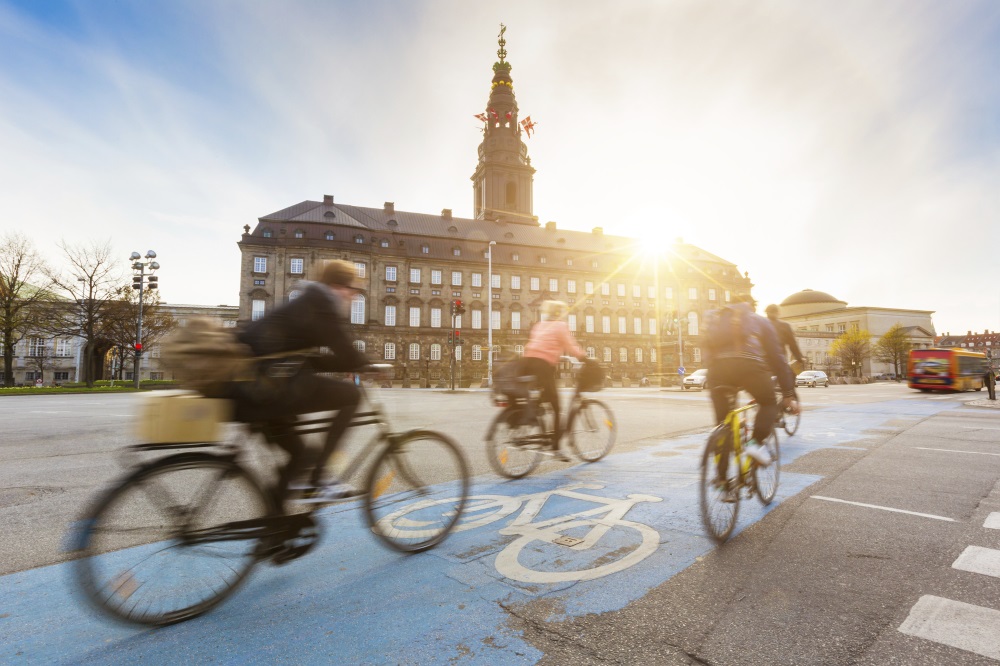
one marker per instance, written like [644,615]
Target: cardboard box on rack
[181,417]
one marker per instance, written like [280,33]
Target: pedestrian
[991,385]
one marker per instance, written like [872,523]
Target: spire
[504,175]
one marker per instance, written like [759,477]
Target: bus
[946,370]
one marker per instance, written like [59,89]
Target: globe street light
[140,280]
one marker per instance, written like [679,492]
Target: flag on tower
[493,112]
[482,116]
[528,125]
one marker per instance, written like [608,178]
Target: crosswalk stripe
[992,521]
[960,625]
[979,560]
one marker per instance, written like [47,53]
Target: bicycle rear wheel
[416,491]
[766,478]
[514,448]
[790,422]
[594,430]
[719,491]
[172,540]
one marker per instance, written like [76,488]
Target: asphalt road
[879,548]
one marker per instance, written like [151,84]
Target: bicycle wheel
[790,422]
[156,549]
[514,448]
[416,491]
[594,430]
[719,492]
[766,478]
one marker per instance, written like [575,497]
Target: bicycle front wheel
[719,491]
[513,447]
[766,478]
[594,430]
[790,422]
[172,540]
[416,491]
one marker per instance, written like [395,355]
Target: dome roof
[808,296]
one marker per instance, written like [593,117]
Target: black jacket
[786,338]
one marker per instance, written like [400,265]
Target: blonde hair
[554,310]
[338,272]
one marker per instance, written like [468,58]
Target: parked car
[812,378]
[695,380]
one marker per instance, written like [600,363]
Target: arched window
[359,239]
[390,351]
[692,323]
[638,354]
[358,309]
[328,235]
[435,352]
[519,350]
[607,354]
[299,233]
[414,351]
[591,353]
[359,345]
[623,355]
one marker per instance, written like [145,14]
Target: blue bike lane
[632,523]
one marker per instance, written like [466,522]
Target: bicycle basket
[591,376]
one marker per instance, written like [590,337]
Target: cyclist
[548,340]
[742,351]
[313,319]
[786,338]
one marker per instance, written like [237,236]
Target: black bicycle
[177,535]
[520,436]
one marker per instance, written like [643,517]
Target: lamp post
[489,315]
[140,279]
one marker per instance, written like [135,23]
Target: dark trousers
[991,385]
[751,376]
[545,376]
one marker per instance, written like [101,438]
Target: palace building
[630,309]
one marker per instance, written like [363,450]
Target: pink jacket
[549,339]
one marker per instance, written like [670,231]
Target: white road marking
[979,453]
[960,625]
[884,508]
[977,428]
[992,521]
[979,560]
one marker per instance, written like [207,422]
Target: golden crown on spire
[502,52]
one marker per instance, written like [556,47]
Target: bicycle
[518,437]
[727,472]
[786,420]
[177,535]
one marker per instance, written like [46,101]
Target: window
[693,293]
[435,317]
[569,262]
[295,267]
[456,251]
[697,355]
[652,354]
[638,354]
[256,309]
[637,325]
[390,315]
[590,323]
[36,347]
[359,345]
[542,260]
[593,264]
[652,330]
[495,281]
[606,324]
[515,281]
[668,293]
[390,273]
[360,269]
[636,291]
[692,323]
[515,257]
[435,352]
[260,264]
[519,350]
[728,295]
[359,239]
[414,351]
[435,277]
[607,354]
[64,376]
[571,286]
[515,321]
[414,316]
[571,322]
[622,327]
[711,294]
[588,287]
[425,249]
[591,353]
[299,233]
[63,347]
[495,320]
[414,276]
[651,292]
[259,283]
[267,233]
[553,285]
[536,284]
[477,279]
[458,352]
[456,278]
[606,289]
[383,243]
[477,319]
[358,309]
[390,351]
[458,321]
[841,328]
[623,355]
[328,236]
[477,353]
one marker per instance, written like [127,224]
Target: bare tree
[852,348]
[892,347]
[91,280]
[121,315]
[24,285]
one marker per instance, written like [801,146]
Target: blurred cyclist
[316,318]
[743,352]
[548,340]
[786,338]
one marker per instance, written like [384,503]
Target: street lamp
[140,280]
[489,315]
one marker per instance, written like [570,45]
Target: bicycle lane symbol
[534,537]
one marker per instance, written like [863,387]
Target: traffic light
[137,282]
[459,307]
[138,347]
[151,281]
[453,308]
[458,337]
[451,338]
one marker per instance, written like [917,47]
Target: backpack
[206,357]
[725,331]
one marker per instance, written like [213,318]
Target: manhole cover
[567,541]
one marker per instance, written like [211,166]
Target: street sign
[680,371]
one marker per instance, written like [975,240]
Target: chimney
[390,207]
[550,226]
[327,199]
[969,333]
[598,231]
[446,213]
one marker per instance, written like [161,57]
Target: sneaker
[759,454]
[330,492]
[557,454]
[729,494]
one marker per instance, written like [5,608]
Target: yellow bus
[946,370]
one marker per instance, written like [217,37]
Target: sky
[846,146]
